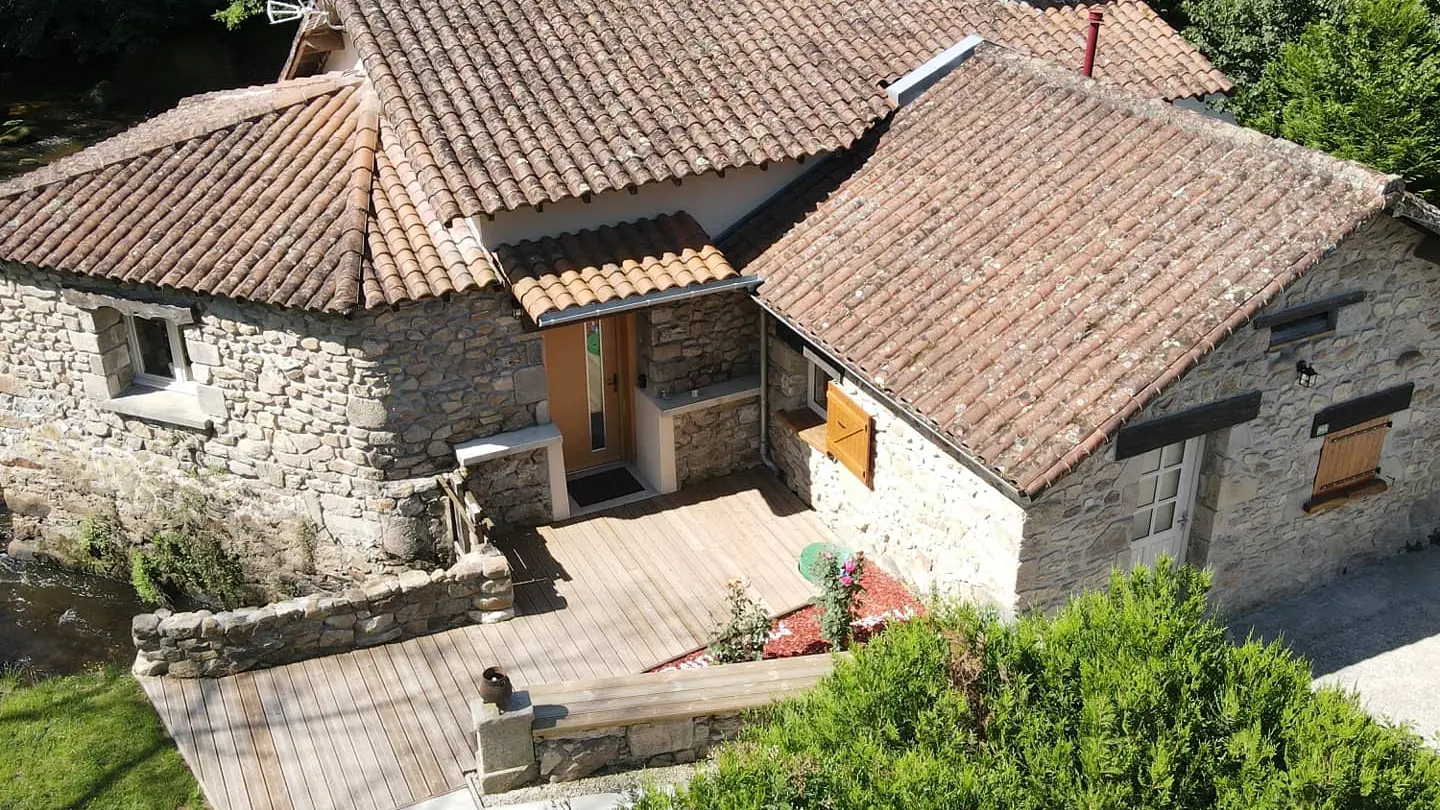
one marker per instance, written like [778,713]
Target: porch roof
[621,262]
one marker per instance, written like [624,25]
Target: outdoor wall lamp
[1305,374]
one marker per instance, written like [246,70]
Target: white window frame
[178,361]
[814,364]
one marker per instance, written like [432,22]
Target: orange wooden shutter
[849,434]
[1351,456]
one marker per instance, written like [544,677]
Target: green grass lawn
[87,741]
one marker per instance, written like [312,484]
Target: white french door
[1161,523]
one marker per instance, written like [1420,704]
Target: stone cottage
[541,252]
[1036,329]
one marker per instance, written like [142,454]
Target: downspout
[765,395]
[1092,41]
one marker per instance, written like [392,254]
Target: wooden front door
[587,368]
[1161,523]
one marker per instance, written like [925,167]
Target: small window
[1301,328]
[1306,320]
[157,353]
[819,374]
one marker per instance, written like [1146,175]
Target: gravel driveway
[1375,630]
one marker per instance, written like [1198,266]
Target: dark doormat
[606,485]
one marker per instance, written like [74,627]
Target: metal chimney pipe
[1097,17]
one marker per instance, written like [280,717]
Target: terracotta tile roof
[611,263]
[285,194]
[503,104]
[1024,258]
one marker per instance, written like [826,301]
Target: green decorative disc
[812,552]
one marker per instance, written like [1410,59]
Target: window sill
[1322,503]
[807,424]
[156,405]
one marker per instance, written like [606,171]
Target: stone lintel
[92,301]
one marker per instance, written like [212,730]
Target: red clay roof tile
[1024,258]
[286,194]
[503,104]
[611,263]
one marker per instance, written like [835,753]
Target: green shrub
[1364,86]
[747,625]
[1242,36]
[100,540]
[1126,699]
[839,587]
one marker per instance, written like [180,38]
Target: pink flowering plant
[839,588]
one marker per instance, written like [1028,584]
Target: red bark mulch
[884,600]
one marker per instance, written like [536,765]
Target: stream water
[55,622]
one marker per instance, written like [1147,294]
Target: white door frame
[1166,501]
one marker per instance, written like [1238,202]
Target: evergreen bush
[1128,699]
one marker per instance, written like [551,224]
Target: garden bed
[882,602]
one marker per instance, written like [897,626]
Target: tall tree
[1241,36]
[1364,86]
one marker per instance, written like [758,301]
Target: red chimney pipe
[1096,18]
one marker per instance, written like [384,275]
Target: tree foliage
[1364,86]
[85,29]
[238,11]
[1129,699]
[1241,36]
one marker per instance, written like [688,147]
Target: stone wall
[697,342]
[1248,525]
[712,442]
[513,490]
[324,431]
[928,517]
[476,589]
[645,745]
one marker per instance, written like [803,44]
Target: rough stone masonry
[201,644]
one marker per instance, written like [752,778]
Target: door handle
[1183,519]
[615,383]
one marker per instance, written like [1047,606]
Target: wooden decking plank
[557,643]
[414,716]
[592,603]
[597,599]
[638,547]
[645,546]
[613,598]
[547,605]
[263,741]
[204,739]
[581,693]
[227,747]
[412,757]
[336,759]
[511,653]
[290,758]
[667,632]
[308,741]
[451,697]
[756,555]
[355,755]
[166,696]
[420,683]
[776,560]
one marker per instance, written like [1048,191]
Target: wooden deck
[606,594]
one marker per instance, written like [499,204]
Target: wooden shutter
[1351,456]
[849,434]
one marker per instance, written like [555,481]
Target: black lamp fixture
[1305,374]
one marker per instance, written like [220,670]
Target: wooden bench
[561,709]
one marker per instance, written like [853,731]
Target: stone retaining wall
[716,441]
[646,745]
[202,644]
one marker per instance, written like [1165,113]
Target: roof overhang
[619,305]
